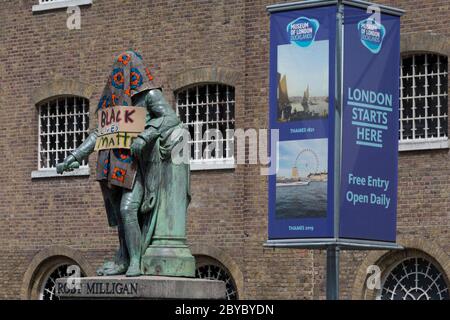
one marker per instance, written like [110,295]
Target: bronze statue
[146,193]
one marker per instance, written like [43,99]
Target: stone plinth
[144,287]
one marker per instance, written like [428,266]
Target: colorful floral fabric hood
[128,77]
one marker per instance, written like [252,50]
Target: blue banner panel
[370,126]
[302,76]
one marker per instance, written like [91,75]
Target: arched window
[63,126]
[208,268]
[208,112]
[48,288]
[415,279]
[423,101]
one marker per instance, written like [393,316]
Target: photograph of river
[306,201]
[301,184]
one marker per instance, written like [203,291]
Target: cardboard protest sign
[118,126]
[115,140]
[121,119]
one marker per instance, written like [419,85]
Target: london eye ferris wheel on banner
[301,183]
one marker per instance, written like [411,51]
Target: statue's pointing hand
[137,146]
[68,164]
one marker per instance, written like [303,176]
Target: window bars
[63,126]
[215,272]
[48,289]
[208,112]
[415,279]
[423,97]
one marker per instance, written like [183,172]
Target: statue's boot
[134,270]
[129,207]
[116,269]
[133,241]
[110,268]
[120,263]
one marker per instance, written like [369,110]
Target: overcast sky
[303,66]
[288,151]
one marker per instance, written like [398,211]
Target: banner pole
[333,273]
[333,250]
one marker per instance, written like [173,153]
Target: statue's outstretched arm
[86,148]
[75,158]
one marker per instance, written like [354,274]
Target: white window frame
[48,171]
[426,143]
[227,162]
[45,5]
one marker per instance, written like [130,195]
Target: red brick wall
[229,208]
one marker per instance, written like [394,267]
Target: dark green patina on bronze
[150,217]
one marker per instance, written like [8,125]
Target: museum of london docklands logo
[372,34]
[302,31]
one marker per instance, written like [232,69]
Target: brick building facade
[48,220]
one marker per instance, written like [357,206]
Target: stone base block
[144,287]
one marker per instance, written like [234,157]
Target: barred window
[215,272]
[208,112]
[415,279]
[48,289]
[423,98]
[63,126]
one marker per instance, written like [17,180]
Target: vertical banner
[302,79]
[370,125]
[303,74]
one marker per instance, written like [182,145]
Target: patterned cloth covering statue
[133,180]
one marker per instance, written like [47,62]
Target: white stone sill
[429,144]
[200,165]
[51,173]
[59,5]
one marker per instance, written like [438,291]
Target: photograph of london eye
[302,82]
[301,184]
